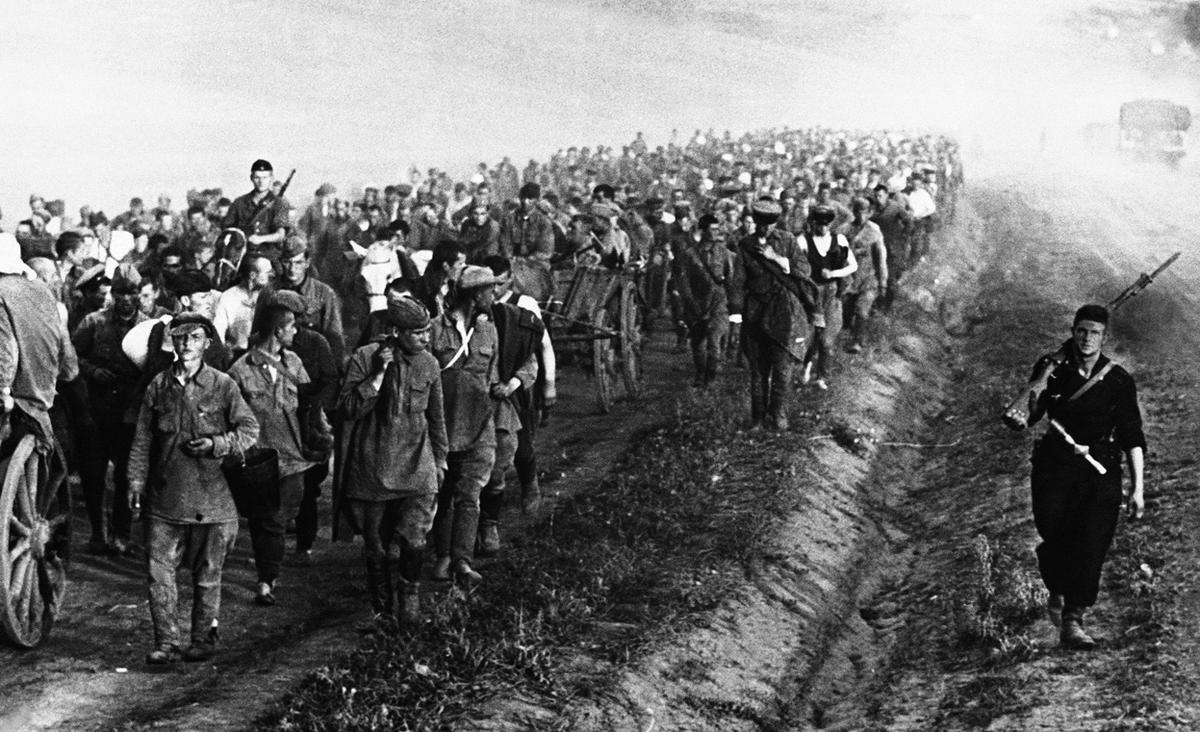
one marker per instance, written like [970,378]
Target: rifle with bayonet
[1015,414]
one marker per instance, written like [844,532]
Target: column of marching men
[396,342]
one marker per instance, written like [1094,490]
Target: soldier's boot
[407,583]
[489,538]
[1073,636]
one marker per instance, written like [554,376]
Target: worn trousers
[111,442]
[457,520]
[820,346]
[491,500]
[267,530]
[770,367]
[526,458]
[202,548]
[306,516]
[706,337]
[1075,510]
[856,311]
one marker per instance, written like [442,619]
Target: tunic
[275,399]
[35,351]
[397,435]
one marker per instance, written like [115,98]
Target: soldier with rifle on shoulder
[261,214]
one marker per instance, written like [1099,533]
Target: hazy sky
[107,100]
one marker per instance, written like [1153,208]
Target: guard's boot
[1073,636]
[489,539]
[1054,609]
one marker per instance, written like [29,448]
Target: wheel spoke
[19,549]
[28,489]
[17,527]
[22,590]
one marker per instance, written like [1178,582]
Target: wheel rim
[604,366]
[631,342]
[34,538]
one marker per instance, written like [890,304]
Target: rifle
[1014,415]
[270,199]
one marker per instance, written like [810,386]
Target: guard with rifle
[261,214]
[1093,411]
[773,297]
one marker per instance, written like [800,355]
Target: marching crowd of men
[398,340]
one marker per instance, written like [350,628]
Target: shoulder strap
[1096,378]
[462,350]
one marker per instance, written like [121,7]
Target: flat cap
[473,276]
[185,323]
[92,275]
[126,278]
[326,189]
[407,313]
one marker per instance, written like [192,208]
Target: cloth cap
[126,278]
[326,189]
[473,276]
[294,246]
[404,190]
[185,323]
[293,301]
[604,210]
[261,164]
[10,255]
[531,190]
[407,314]
[188,282]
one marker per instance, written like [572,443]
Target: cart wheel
[631,340]
[604,366]
[35,537]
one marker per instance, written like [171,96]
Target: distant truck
[1153,129]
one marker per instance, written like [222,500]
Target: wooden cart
[601,309]
[35,539]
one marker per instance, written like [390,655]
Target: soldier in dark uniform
[772,292]
[265,229]
[1075,505]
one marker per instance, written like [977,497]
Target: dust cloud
[105,101]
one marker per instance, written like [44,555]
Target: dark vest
[835,258]
[520,335]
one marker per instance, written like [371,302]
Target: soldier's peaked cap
[261,164]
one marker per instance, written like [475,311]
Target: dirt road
[90,674]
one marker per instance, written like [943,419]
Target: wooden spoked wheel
[35,540]
[604,365]
[632,319]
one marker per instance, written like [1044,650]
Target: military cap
[261,164]
[326,189]
[92,276]
[407,313]
[126,278]
[531,190]
[294,246]
[473,276]
[766,211]
[822,215]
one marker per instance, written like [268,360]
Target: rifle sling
[1096,378]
